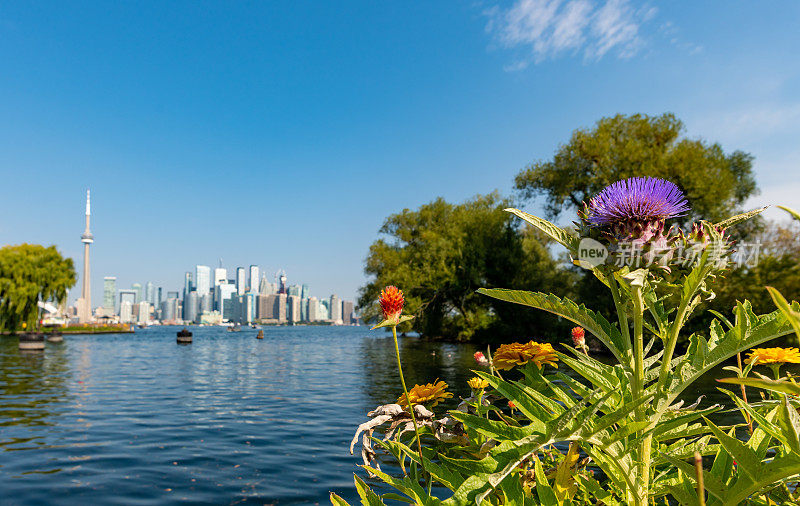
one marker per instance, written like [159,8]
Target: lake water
[137,419]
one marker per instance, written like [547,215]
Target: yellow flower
[432,394]
[762,356]
[511,355]
[477,383]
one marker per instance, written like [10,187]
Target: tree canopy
[618,147]
[30,273]
[441,253]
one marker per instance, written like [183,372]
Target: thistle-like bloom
[578,337]
[511,355]
[639,199]
[391,301]
[480,358]
[766,356]
[477,383]
[430,394]
[636,208]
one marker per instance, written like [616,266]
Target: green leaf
[592,322]
[368,497]
[746,458]
[791,211]
[792,316]
[393,323]
[547,496]
[558,234]
[739,218]
[782,386]
[338,501]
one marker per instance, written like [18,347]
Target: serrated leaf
[558,234]
[739,218]
[592,322]
[368,497]
[781,386]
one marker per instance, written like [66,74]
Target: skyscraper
[187,284]
[128,296]
[136,287]
[265,287]
[220,275]
[281,281]
[241,282]
[313,309]
[150,293]
[347,312]
[109,294]
[336,309]
[253,286]
[85,302]
[202,279]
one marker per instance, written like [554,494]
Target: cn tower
[86,289]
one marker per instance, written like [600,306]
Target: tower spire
[85,302]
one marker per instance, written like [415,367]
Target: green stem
[669,346]
[621,315]
[408,399]
[638,388]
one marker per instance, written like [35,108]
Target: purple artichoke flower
[635,208]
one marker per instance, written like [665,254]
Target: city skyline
[268,134]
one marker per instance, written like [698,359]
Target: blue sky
[283,133]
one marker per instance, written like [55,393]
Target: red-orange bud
[391,302]
[578,336]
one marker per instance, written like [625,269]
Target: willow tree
[30,273]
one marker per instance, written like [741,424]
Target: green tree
[441,253]
[618,147]
[30,273]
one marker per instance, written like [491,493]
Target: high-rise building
[109,294]
[324,309]
[265,287]
[85,302]
[304,292]
[158,297]
[187,284]
[253,286]
[128,296]
[347,312]
[172,295]
[137,288]
[281,281]
[190,307]
[206,303]
[294,290]
[169,309]
[336,309]
[241,281]
[312,313]
[150,293]
[125,311]
[222,299]
[202,279]
[293,308]
[220,276]
[144,312]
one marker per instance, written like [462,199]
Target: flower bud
[480,358]
[578,337]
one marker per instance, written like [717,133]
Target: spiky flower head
[636,208]
[578,337]
[477,383]
[767,356]
[480,358]
[511,355]
[391,301]
[429,394]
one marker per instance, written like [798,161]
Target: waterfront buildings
[202,279]
[253,286]
[150,293]
[137,288]
[336,309]
[220,275]
[85,301]
[109,294]
[241,282]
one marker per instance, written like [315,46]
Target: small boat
[260,334]
[184,336]
[235,328]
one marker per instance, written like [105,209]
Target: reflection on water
[137,419]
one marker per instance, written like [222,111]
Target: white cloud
[549,28]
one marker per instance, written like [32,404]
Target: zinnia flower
[430,394]
[765,356]
[636,208]
[480,358]
[511,355]
[477,383]
[391,301]
[578,337]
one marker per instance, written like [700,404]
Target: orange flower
[511,355]
[391,302]
[512,405]
[429,394]
[764,356]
